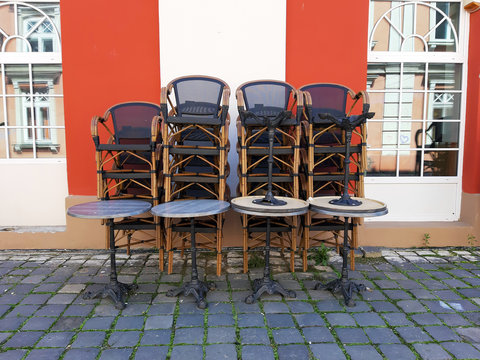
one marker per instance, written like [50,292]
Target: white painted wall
[33,193]
[415,201]
[236,41]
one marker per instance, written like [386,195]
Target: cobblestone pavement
[423,304]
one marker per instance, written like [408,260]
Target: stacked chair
[323,162]
[272,99]
[128,158]
[195,148]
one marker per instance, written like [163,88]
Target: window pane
[382,163]
[444,76]
[53,148]
[440,163]
[383,76]
[412,105]
[3,146]
[442,135]
[444,106]
[17,79]
[20,146]
[19,111]
[409,163]
[413,76]
[48,76]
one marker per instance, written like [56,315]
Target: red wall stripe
[110,54]
[471,160]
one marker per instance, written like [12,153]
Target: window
[31,94]
[415,82]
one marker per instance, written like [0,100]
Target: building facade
[64,61]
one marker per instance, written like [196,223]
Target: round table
[192,209]
[367,208]
[109,210]
[251,205]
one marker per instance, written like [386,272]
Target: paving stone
[317,334]
[242,307]
[56,339]
[36,299]
[124,338]
[426,319]
[23,339]
[461,350]
[431,351]
[255,352]
[11,323]
[129,323]
[116,354]
[340,319]
[250,320]
[77,310]
[159,322]
[156,337]
[462,305]
[287,336]
[411,306]
[23,311]
[310,319]
[292,352]
[106,310]
[44,354]
[453,319]
[219,308]
[159,309]
[384,306]
[13,354]
[189,308]
[351,335]
[382,336]
[368,319]
[99,323]
[372,295]
[221,320]
[363,352]
[254,336]
[413,334]
[213,296]
[423,294]
[397,294]
[470,334]
[220,351]
[221,335]
[189,336]
[67,323]
[187,352]
[279,320]
[38,323]
[333,351]
[51,310]
[186,320]
[300,307]
[151,352]
[275,307]
[4,335]
[442,333]
[397,351]
[89,339]
[329,306]
[409,284]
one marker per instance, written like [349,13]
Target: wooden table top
[368,207]
[292,207]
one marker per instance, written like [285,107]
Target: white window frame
[459,56]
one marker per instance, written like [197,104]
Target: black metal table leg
[114,289]
[266,284]
[195,286]
[343,284]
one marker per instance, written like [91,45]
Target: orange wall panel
[471,167]
[327,42]
[110,54]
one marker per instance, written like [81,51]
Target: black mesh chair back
[132,122]
[198,96]
[327,98]
[266,98]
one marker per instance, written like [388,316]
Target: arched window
[415,81]
[31,106]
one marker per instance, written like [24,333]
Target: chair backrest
[266,97]
[198,95]
[327,98]
[132,121]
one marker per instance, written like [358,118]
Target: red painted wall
[110,54]
[327,42]
[471,173]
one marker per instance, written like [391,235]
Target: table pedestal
[266,284]
[364,208]
[343,284]
[115,289]
[195,287]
